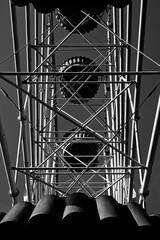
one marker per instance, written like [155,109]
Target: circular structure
[81,151]
[79,92]
[21,3]
[99,72]
[89,7]
[120,3]
[66,8]
[44,6]
[69,20]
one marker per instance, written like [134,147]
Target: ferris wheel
[78,69]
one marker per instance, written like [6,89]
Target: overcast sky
[9,115]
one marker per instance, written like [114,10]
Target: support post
[7,164]
[151,154]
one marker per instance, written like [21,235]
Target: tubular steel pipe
[151,153]
[78,45]
[29,68]
[120,73]
[66,82]
[65,168]
[71,119]
[7,163]
[19,93]
[54,50]
[139,63]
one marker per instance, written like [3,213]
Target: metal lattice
[78,100]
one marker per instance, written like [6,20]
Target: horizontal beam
[84,82]
[86,173]
[80,73]
[82,167]
[78,45]
[77,123]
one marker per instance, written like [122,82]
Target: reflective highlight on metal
[78,87]
[78,92]
[78,216]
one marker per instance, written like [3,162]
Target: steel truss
[50,123]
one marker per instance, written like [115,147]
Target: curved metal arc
[125,42]
[54,50]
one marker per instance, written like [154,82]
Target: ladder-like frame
[49,122]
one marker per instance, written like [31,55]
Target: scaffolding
[78,88]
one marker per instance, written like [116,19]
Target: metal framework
[52,127]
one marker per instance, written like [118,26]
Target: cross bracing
[78,97]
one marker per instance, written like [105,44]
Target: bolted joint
[22,118]
[144,194]
[15,193]
[137,118]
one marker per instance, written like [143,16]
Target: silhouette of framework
[78,101]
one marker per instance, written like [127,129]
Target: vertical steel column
[19,93]
[7,164]
[151,154]
[107,125]
[127,68]
[125,64]
[29,68]
[53,102]
[114,104]
[120,104]
[139,62]
[41,113]
[36,104]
